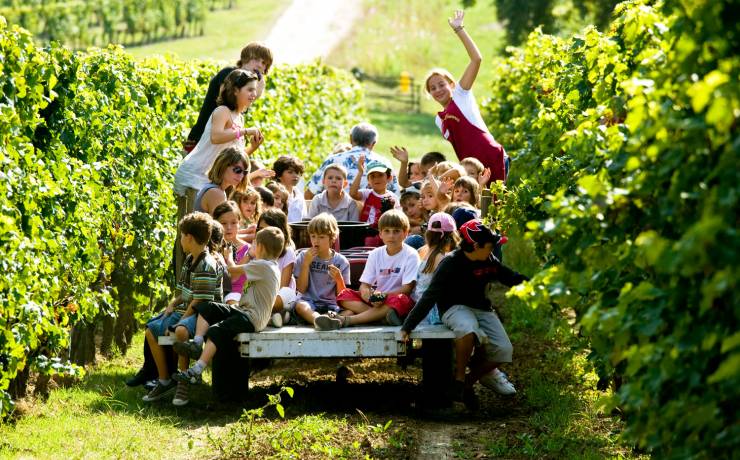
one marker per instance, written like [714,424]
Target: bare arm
[354,189]
[471,71]
[211,199]
[221,126]
[402,155]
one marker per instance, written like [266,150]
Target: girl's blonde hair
[228,157]
[440,169]
[444,73]
[249,193]
[469,184]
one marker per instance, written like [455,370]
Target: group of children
[242,271]
[432,255]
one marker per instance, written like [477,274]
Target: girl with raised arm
[460,121]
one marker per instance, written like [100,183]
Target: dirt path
[309,29]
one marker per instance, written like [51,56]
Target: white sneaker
[497,381]
[276,320]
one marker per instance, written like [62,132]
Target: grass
[414,36]
[225,33]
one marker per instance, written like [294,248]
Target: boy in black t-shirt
[458,289]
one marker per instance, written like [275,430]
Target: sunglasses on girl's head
[238,170]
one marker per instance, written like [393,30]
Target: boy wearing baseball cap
[376,199]
[458,289]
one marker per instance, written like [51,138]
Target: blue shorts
[161,323]
[189,324]
[320,307]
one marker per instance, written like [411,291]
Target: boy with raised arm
[459,290]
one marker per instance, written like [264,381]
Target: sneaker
[149,386]
[188,376]
[276,320]
[189,349]
[160,391]
[140,378]
[286,317]
[457,391]
[181,394]
[497,381]
[328,322]
[470,399]
[392,318]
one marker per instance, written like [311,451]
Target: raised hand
[361,164]
[400,154]
[264,173]
[456,21]
[446,185]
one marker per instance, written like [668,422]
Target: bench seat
[307,342]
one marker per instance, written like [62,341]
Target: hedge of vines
[83,23]
[89,143]
[626,148]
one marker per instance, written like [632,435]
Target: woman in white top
[225,128]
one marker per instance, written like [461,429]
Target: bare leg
[158,354]
[463,348]
[304,311]
[277,307]
[355,306]
[208,351]
[370,315]
[201,326]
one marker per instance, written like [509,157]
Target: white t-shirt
[465,101]
[296,206]
[388,273]
[287,259]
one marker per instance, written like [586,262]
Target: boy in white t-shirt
[387,281]
[376,198]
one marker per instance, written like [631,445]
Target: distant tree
[520,17]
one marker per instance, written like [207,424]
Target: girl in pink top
[460,121]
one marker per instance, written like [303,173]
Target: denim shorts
[189,324]
[160,324]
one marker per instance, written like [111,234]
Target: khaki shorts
[487,328]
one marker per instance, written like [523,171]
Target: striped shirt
[200,282]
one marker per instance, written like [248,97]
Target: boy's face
[186,241]
[289,177]
[481,252]
[412,207]
[334,182]
[472,171]
[378,181]
[255,64]
[416,173]
[461,194]
[425,167]
[393,237]
[322,243]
